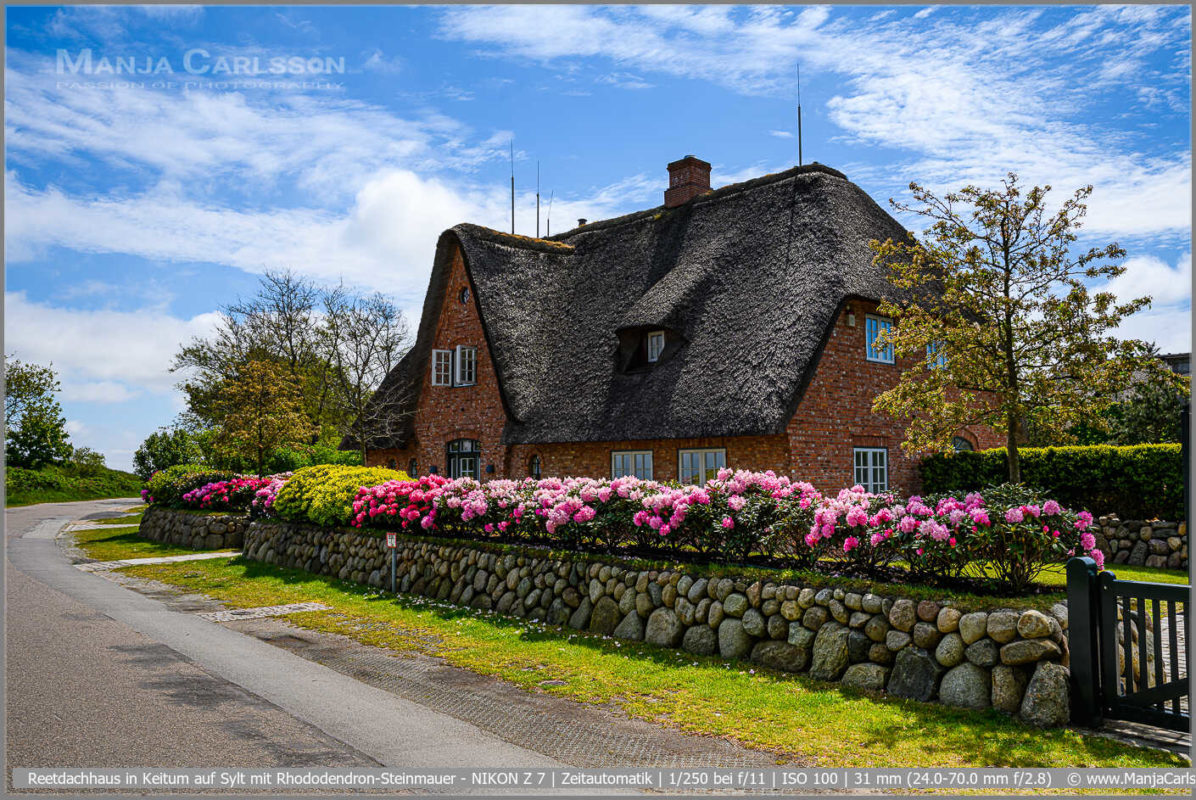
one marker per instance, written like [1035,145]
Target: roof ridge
[515,239]
[716,194]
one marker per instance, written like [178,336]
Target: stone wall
[1151,543]
[1016,662]
[192,530]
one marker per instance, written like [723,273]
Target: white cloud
[326,145]
[379,62]
[967,95]
[385,240]
[781,134]
[1165,284]
[1168,320]
[102,356]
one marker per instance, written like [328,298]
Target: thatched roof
[747,279]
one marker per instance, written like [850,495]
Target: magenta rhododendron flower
[728,523]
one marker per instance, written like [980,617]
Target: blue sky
[138,203]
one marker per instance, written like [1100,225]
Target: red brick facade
[834,416]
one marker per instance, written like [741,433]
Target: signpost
[392,544]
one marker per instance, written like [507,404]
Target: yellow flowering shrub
[324,494]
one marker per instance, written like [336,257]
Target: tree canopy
[993,303]
[35,429]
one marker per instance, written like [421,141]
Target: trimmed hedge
[168,486]
[325,494]
[1139,481]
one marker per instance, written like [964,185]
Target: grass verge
[114,544]
[798,718]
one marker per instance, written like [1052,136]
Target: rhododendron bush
[1009,533]
[234,494]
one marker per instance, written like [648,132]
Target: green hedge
[64,483]
[168,486]
[1142,481]
[325,494]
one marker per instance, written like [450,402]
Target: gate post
[1083,613]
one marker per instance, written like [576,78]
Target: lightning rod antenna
[512,186]
[799,156]
[537,199]
[548,220]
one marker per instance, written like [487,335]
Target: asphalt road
[101,676]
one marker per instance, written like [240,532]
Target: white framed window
[872,468]
[442,367]
[631,462]
[464,459]
[699,466]
[874,327]
[467,366]
[935,357]
[655,345]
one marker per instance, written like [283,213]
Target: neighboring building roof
[750,276]
[1178,362]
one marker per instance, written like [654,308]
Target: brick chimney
[688,178]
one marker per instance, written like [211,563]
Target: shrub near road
[324,494]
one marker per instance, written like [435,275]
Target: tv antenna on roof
[799,158]
[512,185]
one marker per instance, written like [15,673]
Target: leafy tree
[261,410]
[166,447]
[35,430]
[995,291]
[364,339]
[87,461]
[334,347]
[1149,411]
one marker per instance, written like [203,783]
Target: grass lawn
[798,718]
[115,543]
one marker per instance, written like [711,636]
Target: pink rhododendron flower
[1014,515]
[728,523]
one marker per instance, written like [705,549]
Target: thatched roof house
[699,325]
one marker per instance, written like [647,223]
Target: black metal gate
[1128,646]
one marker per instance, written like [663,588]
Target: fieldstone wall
[1152,543]
[1013,661]
[194,531]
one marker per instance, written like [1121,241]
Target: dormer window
[655,346]
[642,349]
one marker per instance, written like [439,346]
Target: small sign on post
[392,543]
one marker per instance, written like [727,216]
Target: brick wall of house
[834,416]
[445,413]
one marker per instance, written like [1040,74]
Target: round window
[464,295]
